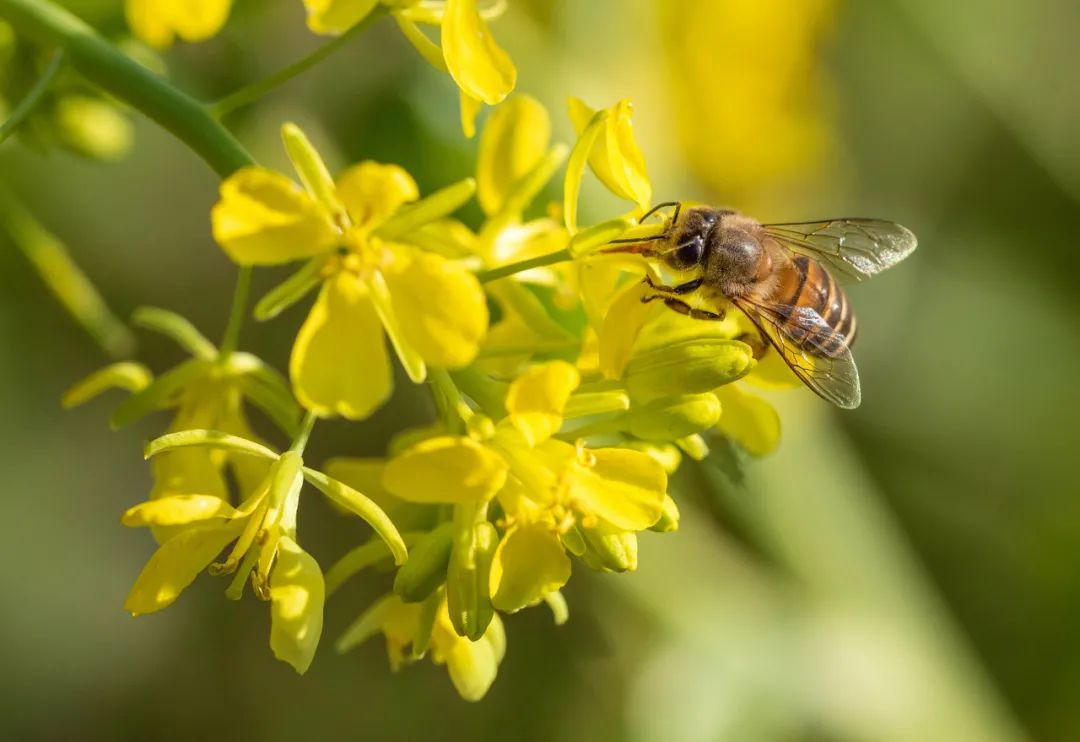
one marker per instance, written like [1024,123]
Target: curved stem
[34,97]
[302,437]
[103,64]
[258,89]
[237,313]
[523,265]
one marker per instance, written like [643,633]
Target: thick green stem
[508,270]
[34,97]
[100,62]
[300,443]
[258,89]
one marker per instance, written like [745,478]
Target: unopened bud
[616,552]
[669,517]
[671,418]
[426,568]
[468,575]
[690,366]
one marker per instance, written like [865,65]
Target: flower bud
[426,568]
[468,592]
[669,518]
[690,366]
[616,552]
[671,418]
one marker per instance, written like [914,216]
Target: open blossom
[354,232]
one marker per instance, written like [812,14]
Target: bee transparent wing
[811,348]
[856,248]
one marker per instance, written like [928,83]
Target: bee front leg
[680,289]
[682,307]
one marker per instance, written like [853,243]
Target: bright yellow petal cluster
[483,71]
[159,22]
[374,285]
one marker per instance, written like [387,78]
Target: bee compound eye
[688,254]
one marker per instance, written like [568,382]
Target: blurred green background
[904,572]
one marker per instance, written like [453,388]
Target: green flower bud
[669,518]
[468,591]
[691,366]
[617,552]
[94,127]
[670,418]
[425,570]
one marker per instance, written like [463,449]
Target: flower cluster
[466,50]
[564,400]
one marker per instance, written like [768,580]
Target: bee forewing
[857,248]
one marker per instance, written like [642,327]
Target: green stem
[34,97]
[522,265]
[258,89]
[63,276]
[100,62]
[300,443]
[237,313]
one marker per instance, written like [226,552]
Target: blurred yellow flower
[483,71]
[432,309]
[754,115]
[159,22]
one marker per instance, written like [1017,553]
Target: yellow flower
[207,391]
[355,230]
[776,95]
[482,70]
[410,634]
[614,155]
[549,490]
[263,533]
[159,22]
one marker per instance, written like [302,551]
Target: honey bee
[776,274]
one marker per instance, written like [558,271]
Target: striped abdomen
[804,283]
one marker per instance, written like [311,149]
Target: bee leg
[682,288]
[757,342]
[682,307]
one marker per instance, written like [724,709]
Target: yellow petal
[336,16]
[622,325]
[536,399]
[263,218]
[529,564]
[147,23]
[339,364]
[470,109]
[297,594]
[515,137]
[372,192]
[749,420]
[622,487]
[616,158]
[177,510]
[472,665]
[196,20]
[439,305]
[477,64]
[445,469]
[177,563]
